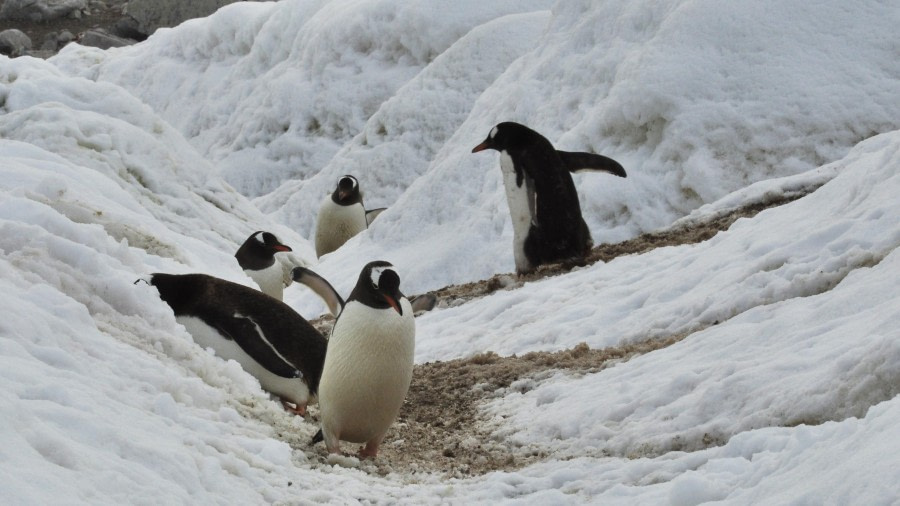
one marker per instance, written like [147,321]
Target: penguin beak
[281,247]
[481,147]
[392,301]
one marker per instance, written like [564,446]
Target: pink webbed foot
[369,451]
[297,409]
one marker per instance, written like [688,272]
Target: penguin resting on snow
[268,338]
[342,216]
[543,203]
[257,258]
[369,364]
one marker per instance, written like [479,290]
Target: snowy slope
[142,159]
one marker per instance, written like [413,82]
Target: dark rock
[99,38]
[128,28]
[14,43]
[51,42]
[40,10]
[152,14]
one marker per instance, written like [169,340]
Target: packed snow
[164,156]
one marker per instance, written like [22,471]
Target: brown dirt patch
[455,295]
[441,428]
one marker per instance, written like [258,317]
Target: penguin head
[506,136]
[258,251]
[347,191]
[268,242]
[378,286]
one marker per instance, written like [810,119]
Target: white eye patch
[493,133]
[259,237]
[376,274]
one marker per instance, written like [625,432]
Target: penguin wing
[371,214]
[250,337]
[577,162]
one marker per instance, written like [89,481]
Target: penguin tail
[318,437]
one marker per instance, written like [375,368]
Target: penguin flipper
[371,214]
[249,336]
[321,287]
[577,162]
[422,303]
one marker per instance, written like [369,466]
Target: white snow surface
[166,155]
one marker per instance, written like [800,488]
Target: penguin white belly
[270,279]
[521,202]
[367,372]
[291,389]
[336,224]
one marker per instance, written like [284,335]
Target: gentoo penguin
[321,287]
[369,362]
[543,202]
[257,257]
[341,216]
[268,338]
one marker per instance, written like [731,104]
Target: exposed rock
[51,42]
[14,43]
[65,37]
[99,38]
[152,14]
[128,28]
[41,10]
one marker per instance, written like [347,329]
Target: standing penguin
[369,364]
[268,338]
[341,216]
[543,203]
[257,257]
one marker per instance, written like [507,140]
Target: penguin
[369,363]
[264,335]
[342,216]
[257,257]
[321,287]
[543,203]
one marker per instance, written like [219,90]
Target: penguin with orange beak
[369,362]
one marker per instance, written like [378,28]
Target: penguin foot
[369,451]
[297,409]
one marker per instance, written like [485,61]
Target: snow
[166,155]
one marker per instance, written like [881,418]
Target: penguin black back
[268,330]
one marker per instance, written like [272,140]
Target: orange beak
[393,303]
[480,147]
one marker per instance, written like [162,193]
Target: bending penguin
[342,216]
[257,258]
[268,338]
[543,203]
[369,364]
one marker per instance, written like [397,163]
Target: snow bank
[697,99]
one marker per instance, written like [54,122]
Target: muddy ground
[441,428]
[103,15]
